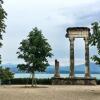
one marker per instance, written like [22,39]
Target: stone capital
[71,39]
[86,39]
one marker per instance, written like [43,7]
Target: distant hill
[79,69]
[13,67]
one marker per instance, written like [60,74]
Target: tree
[5,73]
[3,15]
[95,41]
[34,50]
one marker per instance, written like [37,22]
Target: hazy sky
[52,17]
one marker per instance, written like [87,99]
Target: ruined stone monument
[72,33]
[57,74]
[79,32]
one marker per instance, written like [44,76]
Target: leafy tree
[95,41]
[5,73]
[34,50]
[3,15]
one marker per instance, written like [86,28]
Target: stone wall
[73,81]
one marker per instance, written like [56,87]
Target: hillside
[95,69]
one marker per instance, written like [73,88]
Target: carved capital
[86,39]
[71,39]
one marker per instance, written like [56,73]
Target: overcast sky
[53,17]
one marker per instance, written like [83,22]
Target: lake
[26,75]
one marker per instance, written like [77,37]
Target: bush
[98,82]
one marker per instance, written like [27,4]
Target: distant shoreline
[44,75]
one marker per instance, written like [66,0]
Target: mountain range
[79,69]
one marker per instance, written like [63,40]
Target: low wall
[74,81]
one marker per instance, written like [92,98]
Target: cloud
[52,17]
[83,14]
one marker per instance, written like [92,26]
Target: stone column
[57,74]
[71,75]
[87,69]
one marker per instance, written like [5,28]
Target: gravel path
[50,93]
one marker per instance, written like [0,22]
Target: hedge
[24,81]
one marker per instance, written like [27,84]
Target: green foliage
[0,59]
[95,41]
[3,15]
[34,50]
[27,81]
[5,73]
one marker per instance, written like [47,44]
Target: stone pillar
[87,69]
[71,75]
[57,74]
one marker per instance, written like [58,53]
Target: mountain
[13,67]
[79,69]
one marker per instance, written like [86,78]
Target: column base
[71,76]
[57,75]
[87,75]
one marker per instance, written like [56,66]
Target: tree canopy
[34,50]
[5,73]
[3,15]
[95,41]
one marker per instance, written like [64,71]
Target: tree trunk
[33,80]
